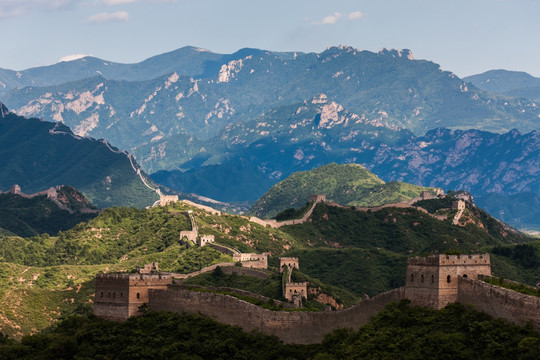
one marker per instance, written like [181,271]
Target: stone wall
[500,302]
[167,199]
[299,327]
[252,260]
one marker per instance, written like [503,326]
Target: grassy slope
[33,293]
[349,184]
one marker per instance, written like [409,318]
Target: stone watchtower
[433,280]
[118,296]
[317,198]
[291,262]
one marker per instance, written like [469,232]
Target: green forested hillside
[347,184]
[38,155]
[42,278]
[33,216]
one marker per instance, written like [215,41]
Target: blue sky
[463,36]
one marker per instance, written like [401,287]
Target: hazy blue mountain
[389,87]
[37,155]
[511,83]
[188,61]
[521,210]
[502,81]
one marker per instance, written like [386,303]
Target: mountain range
[230,126]
[216,90]
[316,132]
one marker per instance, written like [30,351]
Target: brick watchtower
[433,280]
[118,296]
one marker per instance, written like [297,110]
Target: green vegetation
[403,331]
[360,271]
[399,331]
[349,184]
[30,217]
[292,213]
[38,155]
[521,288]
[401,230]
[517,262]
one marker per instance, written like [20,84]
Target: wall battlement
[437,260]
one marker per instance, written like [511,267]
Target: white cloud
[73,57]
[332,19]
[118,2]
[107,17]
[355,15]
[335,17]
[9,8]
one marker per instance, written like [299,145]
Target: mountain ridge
[405,93]
[38,155]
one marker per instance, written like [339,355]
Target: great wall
[433,281]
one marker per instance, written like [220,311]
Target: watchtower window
[138,295]
[422,279]
[102,294]
[412,277]
[432,278]
[448,279]
[114,295]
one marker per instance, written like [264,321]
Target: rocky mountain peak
[320,99]
[405,53]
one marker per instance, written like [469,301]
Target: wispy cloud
[355,15]
[10,8]
[335,17]
[107,17]
[73,57]
[118,2]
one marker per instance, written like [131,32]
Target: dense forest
[401,331]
